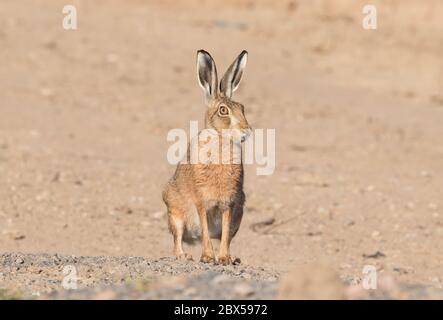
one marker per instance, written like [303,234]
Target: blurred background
[358,116]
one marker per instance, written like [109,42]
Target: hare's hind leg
[177,226]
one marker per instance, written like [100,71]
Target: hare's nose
[245,126]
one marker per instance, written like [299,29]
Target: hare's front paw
[207,258]
[225,260]
[184,256]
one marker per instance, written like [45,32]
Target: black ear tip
[201,51]
[243,52]
[204,55]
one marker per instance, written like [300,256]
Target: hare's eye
[223,111]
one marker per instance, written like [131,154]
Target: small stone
[345,266]
[375,234]
[158,214]
[41,197]
[277,206]
[284,180]
[243,290]
[246,276]
[376,255]
[19,260]
[47,92]
[349,223]
[190,291]
[145,224]
[308,179]
[111,58]
[403,270]
[220,279]
[34,133]
[410,205]
[19,237]
[425,174]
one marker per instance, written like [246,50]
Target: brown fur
[205,200]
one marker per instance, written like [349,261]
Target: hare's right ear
[207,74]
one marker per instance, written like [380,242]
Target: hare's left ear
[231,79]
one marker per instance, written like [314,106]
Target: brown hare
[205,199]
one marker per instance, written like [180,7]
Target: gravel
[46,276]
[49,276]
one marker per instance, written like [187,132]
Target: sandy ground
[84,116]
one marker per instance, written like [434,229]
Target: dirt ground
[358,113]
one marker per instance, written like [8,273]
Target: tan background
[358,115]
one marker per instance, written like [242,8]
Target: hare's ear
[231,79]
[207,74]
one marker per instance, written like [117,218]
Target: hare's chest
[219,183]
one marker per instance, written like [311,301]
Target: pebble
[349,223]
[46,92]
[403,270]
[376,255]
[220,279]
[277,205]
[190,291]
[345,266]
[425,174]
[375,234]
[145,224]
[410,205]
[158,214]
[243,290]
[246,276]
[19,237]
[111,58]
